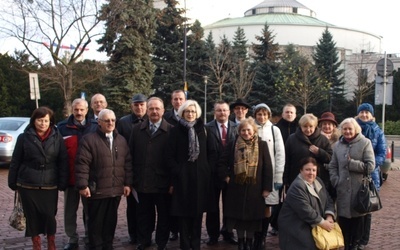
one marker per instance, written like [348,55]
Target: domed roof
[280,6]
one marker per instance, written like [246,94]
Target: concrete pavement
[385,229]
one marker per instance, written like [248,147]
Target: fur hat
[328,116]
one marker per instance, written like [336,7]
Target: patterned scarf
[246,160]
[194,148]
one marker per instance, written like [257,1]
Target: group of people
[172,168]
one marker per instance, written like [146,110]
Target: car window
[10,125]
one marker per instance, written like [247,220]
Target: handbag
[325,240]
[17,218]
[368,199]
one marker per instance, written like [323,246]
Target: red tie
[223,135]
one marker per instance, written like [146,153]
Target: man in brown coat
[151,174]
[103,173]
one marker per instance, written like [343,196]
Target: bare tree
[242,84]
[302,87]
[361,78]
[55,27]
[221,66]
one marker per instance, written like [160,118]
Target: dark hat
[139,98]
[328,116]
[239,102]
[367,107]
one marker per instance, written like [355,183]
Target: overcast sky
[377,17]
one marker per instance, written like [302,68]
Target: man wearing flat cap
[240,109]
[124,127]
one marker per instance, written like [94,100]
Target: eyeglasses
[108,120]
[190,111]
[240,108]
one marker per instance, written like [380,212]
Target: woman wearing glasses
[191,157]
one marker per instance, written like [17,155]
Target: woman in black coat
[191,157]
[246,167]
[307,141]
[38,170]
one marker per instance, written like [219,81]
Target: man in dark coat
[103,172]
[224,131]
[177,99]
[288,123]
[151,174]
[124,126]
[72,130]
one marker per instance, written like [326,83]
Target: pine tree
[169,50]
[130,27]
[328,65]
[265,56]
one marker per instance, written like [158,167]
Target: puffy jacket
[378,142]
[72,134]
[98,166]
[37,164]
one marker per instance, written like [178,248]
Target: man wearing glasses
[223,132]
[103,173]
[240,109]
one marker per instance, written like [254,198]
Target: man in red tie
[224,131]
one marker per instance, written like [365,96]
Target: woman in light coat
[276,146]
[353,155]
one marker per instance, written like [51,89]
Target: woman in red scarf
[38,169]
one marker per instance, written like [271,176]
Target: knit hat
[328,116]
[261,105]
[367,107]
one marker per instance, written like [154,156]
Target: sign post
[34,87]
[384,67]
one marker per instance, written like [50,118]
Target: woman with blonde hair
[307,141]
[246,168]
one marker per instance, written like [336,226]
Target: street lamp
[205,98]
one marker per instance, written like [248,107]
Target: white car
[10,129]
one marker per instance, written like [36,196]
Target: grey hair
[80,100]
[188,103]
[353,121]
[105,112]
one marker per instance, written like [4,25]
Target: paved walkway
[385,229]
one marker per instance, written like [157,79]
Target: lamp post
[205,98]
[184,53]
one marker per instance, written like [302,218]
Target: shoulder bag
[17,218]
[368,199]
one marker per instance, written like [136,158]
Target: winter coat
[378,142]
[245,201]
[72,134]
[191,181]
[150,170]
[297,148]
[272,135]
[37,164]
[346,175]
[287,128]
[170,117]
[104,171]
[304,208]
[126,123]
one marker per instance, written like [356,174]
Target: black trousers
[102,221]
[190,230]
[213,218]
[352,230]
[366,230]
[146,211]
[131,205]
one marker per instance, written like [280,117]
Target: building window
[295,10]
[271,10]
